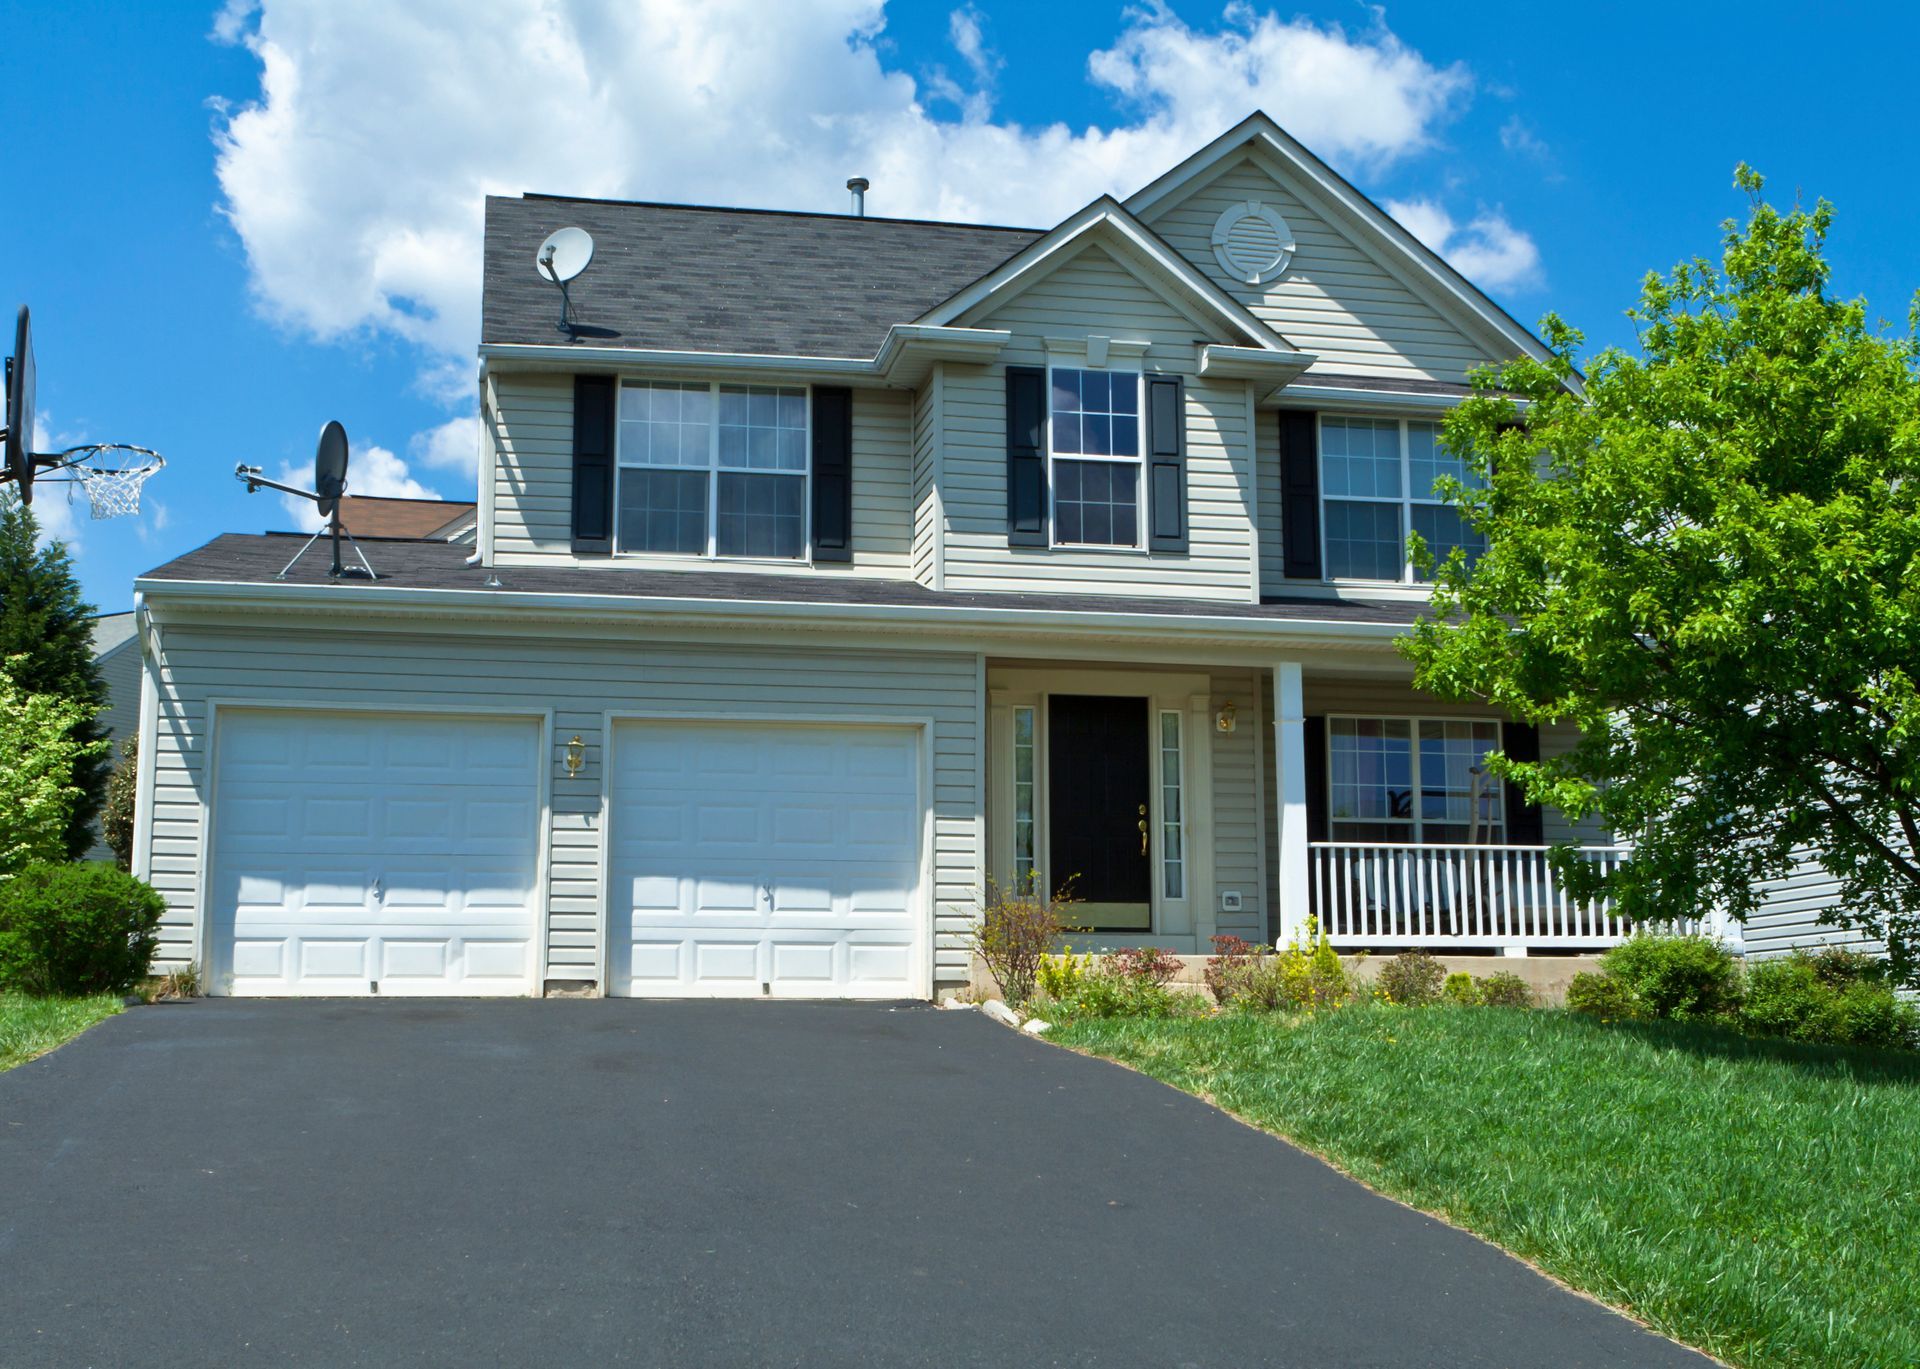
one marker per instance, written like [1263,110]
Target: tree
[41,749]
[1707,557]
[116,815]
[47,624]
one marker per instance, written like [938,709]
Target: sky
[235,222]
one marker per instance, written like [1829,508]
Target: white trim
[937,487]
[925,894]
[215,705]
[1106,215]
[1290,766]
[147,729]
[1223,227]
[904,356]
[1406,503]
[1263,135]
[1386,402]
[491,422]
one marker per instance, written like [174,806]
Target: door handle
[1143,829]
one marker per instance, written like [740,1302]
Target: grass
[1753,1198]
[31,1027]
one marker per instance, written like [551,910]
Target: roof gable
[1362,292]
[1136,248]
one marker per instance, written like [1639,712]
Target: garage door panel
[355,848]
[764,858]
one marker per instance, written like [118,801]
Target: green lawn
[34,1026]
[1756,1199]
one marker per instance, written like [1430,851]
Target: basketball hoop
[111,473]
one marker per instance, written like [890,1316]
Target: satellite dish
[18,461]
[564,254]
[330,467]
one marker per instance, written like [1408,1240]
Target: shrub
[116,814]
[1060,976]
[1803,999]
[1604,997]
[1013,935]
[1231,957]
[1676,976]
[1148,963]
[1307,975]
[1412,977]
[1505,989]
[1839,966]
[76,929]
[1461,988]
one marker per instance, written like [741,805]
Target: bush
[1604,997]
[1412,977]
[76,929]
[1461,988]
[1060,976]
[1013,935]
[1505,989]
[116,814]
[1148,963]
[1302,977]
[1231,957]
[1819,998]
[1839,967]
[1676,976]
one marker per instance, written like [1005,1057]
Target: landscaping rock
[1035,1027]
[1000,1012]
[956,1005]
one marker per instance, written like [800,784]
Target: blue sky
[234,225]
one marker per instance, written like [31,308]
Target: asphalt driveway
[700,1183]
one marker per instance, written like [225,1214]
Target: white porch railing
[1401,894]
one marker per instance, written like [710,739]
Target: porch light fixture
[1227,716]
[576,755]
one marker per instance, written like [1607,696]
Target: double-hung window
[713,470]
[1377,481]
[1094,448]
[1413,779]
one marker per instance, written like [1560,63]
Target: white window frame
[1138,461]
[1415,824]
[714,470]
[1406,502]
[1172,856]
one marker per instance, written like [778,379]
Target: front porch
[1176,805]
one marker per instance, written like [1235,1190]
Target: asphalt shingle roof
[256,558]
[687,278]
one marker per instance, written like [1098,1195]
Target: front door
[1101,785]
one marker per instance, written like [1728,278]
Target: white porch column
[1290,763]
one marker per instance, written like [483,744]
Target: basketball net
[111,473]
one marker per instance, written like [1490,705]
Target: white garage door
[358,854]
[754,859]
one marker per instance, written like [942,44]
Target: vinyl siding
[1268,513]
[1240,841]
[533,483]
[1093,294]
[1336,300]
[579,681]
[927,516]
[1792,915]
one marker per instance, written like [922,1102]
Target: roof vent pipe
[858,185]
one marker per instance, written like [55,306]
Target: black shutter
[1166,464]
[593,400]
[1315,732]
[1026,456]
[1300,494]
[1526,824]
[832,473]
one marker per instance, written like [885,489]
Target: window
[1094,448]
[1026,855]
[713,470]
[1407,779]
[1173,862]
[1377,479]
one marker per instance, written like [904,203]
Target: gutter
[1041,620]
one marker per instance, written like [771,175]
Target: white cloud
[374,471]
[1487,250]
[56,503]
[1518,138]
[454,446]
[355,179]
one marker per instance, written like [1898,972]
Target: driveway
[700,1183]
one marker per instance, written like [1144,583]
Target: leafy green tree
[116,815]
[41,749]
[46,621]
[1707,556]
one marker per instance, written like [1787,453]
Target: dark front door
[1097,771]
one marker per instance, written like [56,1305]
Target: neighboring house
[116,655]
[433,520]
[865,563]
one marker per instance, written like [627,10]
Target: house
[832,569]
[444,520]
[116,655]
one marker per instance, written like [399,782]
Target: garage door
[766,859]
[360,854]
